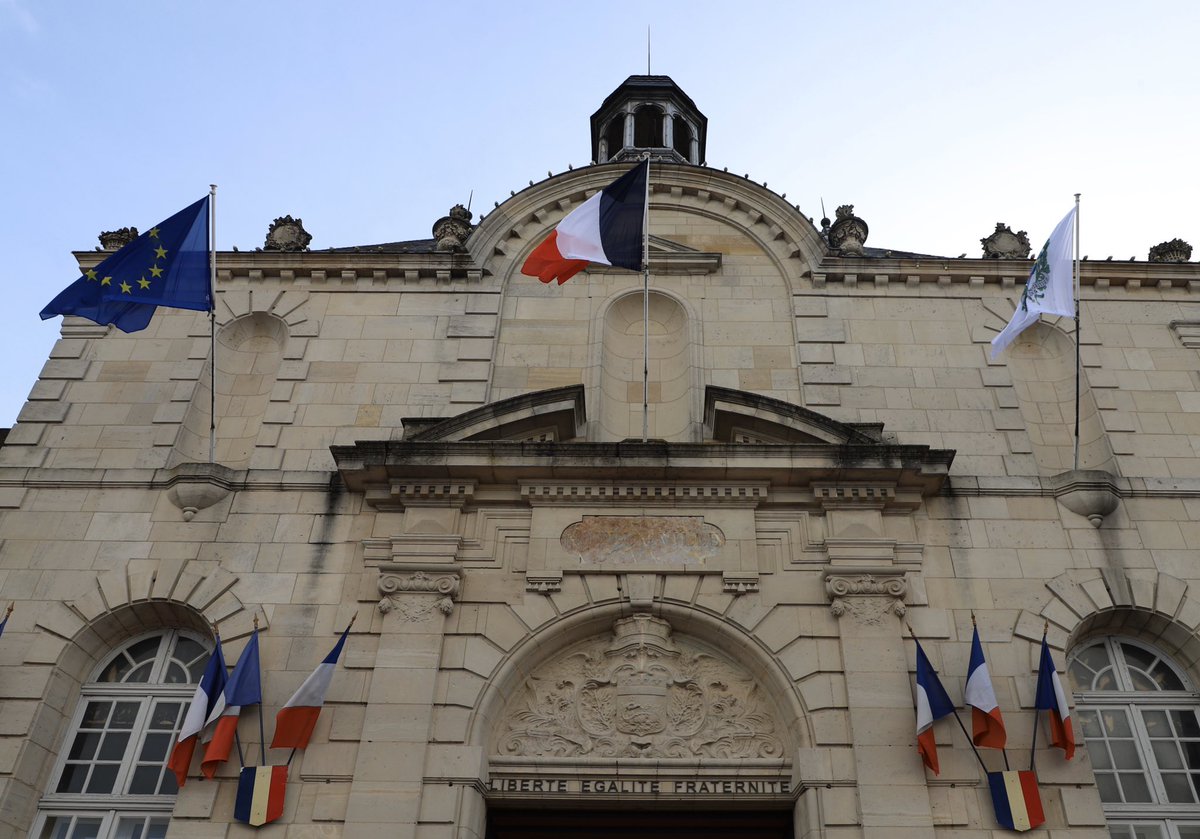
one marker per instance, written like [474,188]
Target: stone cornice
[580,492]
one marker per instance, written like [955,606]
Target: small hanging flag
[260,794]
[1016,799]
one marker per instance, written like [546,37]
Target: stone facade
[549,606]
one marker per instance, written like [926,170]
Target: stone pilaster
[869,603]
[385,795]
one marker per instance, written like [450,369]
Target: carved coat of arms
[641,694]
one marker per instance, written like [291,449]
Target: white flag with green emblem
[1050,287]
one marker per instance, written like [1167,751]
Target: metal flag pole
[1078,364]
[212,322]
[646,307]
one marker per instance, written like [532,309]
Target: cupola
[649,114]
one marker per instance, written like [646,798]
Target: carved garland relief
[640,694]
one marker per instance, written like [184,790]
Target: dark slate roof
[411,246]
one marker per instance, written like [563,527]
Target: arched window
[1141,719]
[648,127]
[681,137]
[111,780]
[614,136]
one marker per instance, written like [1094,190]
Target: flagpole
[646,307]
[1078,364]
[212,322]
[1036,710]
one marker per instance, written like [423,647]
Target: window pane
[1135,788]
[84,747]
[155,747]
[104,777]
[1192,752]
[116,669]
[145,780]
[130,829]
[1188,831]
[1125,754]
[1110,793]
[1179,791]
[1099,755]
[115,743]
[1185,723]
[1165,677]
[1147,831]
[1137,657]
[145,650]
[73,777]
[95,715]
[1090,721]
[165,716]
[1141,681]
[1166,755]
[158,828]
[167,784]
[1156,723]
[1116,724]
[124,715]
[176,674]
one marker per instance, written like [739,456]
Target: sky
[369,120]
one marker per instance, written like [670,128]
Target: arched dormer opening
[614,137]
[681,137]
[648,127]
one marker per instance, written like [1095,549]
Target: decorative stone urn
[451,231]
[848,232]
[114,240]
[1175,250]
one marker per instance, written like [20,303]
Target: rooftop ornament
[287,234]
[848,233]
[451,231]
[1004,244]
[1175,250]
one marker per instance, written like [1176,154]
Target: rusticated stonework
[643,540]
[640,694]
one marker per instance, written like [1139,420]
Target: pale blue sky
[370,119]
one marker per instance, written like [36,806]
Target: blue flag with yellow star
[165,266]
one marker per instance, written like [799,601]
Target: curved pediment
[554,415]
[738,416]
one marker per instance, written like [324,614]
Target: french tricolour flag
[987,724]
[243,688]
[606,229]
[932,704]
[1050,697]
[212,683]
[296,719]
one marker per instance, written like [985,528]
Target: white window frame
[1160,812]
[110,807]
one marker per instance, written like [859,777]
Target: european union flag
[165,266]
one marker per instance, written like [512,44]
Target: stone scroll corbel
[414,592]
[866,593]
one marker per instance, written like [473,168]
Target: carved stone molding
[399,495]
[414,592]
[583,493]
[198,486]
[1091,493]
[1004,244]
[868,594]
[543,583]
[641,693]
[414,547]
[740,582]
[1187,333]
[876,496]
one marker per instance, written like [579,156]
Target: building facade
[566,625]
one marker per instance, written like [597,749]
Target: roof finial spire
[647,49]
